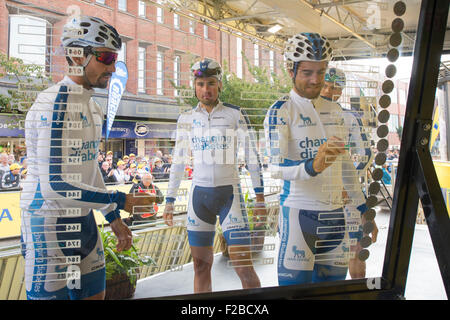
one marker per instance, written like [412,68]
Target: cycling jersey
[62,134]
[214,139]
[314,228]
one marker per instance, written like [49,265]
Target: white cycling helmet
[308,47]
[207,68]
[335,75]
[87,31]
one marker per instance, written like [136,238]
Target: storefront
[12,136]
[142,138]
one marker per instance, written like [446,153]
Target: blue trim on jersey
[309,168]
[273,115]
[170,200]
[286,191]
[56,181]
[229,105]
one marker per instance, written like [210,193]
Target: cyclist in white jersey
[212,131]
[359,147]
[307,140]
[60,241]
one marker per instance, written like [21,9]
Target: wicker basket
[119,287]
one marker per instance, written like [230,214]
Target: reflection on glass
[288,177]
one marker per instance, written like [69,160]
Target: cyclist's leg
[201,231]
[332,246]
[295,257]
[234,222]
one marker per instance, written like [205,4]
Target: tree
[30,79]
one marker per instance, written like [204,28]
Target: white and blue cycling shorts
[205,204]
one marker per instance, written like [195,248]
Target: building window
[160,73]
[29,38]
[122,56]
[272,61]
[176,73]
[176,21]
[191,25]
[141,69]
[393,123]
[256,53]
[159,13]
[205,31]
[123,5]
[239,57]
[100,1]
[141,9]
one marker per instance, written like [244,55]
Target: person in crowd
[100,159]
[11,179]
[146,185]
[134,176]
[126,160]
[11,158]
[4,166]
[107,173]
[121,173]
[109,159]
[159,173]
[132,159]
[386,174]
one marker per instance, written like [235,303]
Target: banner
[117,86]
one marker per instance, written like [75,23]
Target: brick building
[159,47]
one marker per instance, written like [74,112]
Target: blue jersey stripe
[56,181]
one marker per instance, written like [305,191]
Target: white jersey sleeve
[179,157]
[248,140]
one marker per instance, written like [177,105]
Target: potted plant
[255,224]
[121,267]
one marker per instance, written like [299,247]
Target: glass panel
[298,160]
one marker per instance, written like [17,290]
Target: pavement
[424,279]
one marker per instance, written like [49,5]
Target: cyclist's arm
[179,158]
[359,141]
[248,139]
[52,159]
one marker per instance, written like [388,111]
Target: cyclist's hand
[123,234]
[327,153]
[168,213]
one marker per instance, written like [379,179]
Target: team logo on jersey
[197,124]
[299,255]
[191,222]
[307,122]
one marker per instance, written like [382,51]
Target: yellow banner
[10,207]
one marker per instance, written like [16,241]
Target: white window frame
[205,31]
[176,73]
[239,70]
[159,13]
[160,73]
[122,5]
[176,21]
[256,54]
[141,69]
[141,9]
[122,54]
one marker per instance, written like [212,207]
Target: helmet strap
[295,70]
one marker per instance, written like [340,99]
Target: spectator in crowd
[167,164]
[158,170]
[4,166]
[11,179]
[108,175]
[147,186]
[126,160]
[132,159]
[134,176]
[11,159]
[24,167]
[121,173]
[109,159]
[386,174]
[100,159]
